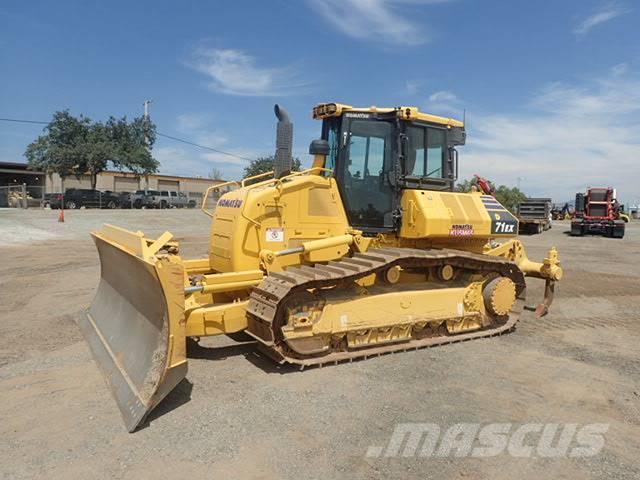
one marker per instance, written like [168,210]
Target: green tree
[133,142]
[77,146]
[510,197]
[58,150]
[467,185]
[94,150]
[216,174]
[265,164]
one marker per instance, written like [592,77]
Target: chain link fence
[22,196]
[27,196]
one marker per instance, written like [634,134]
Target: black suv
[85,197]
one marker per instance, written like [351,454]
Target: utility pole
[146,140]
[519,179]
[146,108]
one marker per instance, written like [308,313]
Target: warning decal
[275,234]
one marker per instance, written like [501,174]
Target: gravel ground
[238,416]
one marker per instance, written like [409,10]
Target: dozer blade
[135,325]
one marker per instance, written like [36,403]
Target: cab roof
[325,110]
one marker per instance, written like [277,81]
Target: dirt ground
[237,416]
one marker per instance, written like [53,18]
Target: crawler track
[267,300]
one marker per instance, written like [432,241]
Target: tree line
[75,146]
[510,197]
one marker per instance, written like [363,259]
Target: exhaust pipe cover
[283,161]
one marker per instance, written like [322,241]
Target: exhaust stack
[284,143]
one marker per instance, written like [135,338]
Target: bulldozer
[369,251]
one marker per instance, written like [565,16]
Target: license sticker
[275,234]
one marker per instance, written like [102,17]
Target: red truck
[598,212]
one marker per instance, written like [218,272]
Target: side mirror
[319,147]
[320,150]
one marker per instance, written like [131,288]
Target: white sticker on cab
[275,234]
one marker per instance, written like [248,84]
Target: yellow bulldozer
[367,252]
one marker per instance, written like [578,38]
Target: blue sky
[551,88]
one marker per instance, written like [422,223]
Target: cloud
[412,86]
[380,20]
[620,69]
[571,137]
[176,160]
[225,160]
[197,127]
[193,121]
[607,12]
[444,102]
[443,96]
[195,162]
[234,72]
[180,159]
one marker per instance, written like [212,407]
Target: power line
[16,120]
[181,140]
[203,146]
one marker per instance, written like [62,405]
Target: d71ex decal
[503,223]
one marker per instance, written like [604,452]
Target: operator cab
[376,153]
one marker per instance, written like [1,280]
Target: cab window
[426,155]
[331,132]
[435,153]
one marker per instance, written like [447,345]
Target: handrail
[206,194]
[270,172]
[276,181]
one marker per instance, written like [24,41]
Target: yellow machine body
[150,299]
[278,215]
[274,215]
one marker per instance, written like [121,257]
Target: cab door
[363,173]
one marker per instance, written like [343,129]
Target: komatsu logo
[229,202]
[465,230]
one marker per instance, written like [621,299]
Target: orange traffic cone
[61,216]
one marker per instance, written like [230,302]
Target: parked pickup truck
[85,197]
[161,199]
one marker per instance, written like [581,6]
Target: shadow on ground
[176,398]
